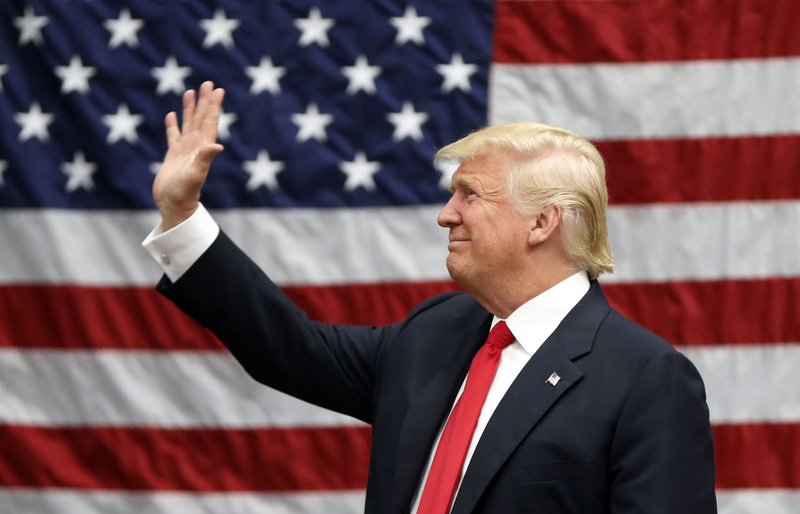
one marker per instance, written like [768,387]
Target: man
[582,412]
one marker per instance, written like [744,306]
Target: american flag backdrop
[111,400]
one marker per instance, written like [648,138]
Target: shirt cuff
[177,249]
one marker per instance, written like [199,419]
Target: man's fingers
[188,110]
[202,104]
[201,112]
[171,124]
[210,121]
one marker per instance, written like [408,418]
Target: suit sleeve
[328,365]
[662,456]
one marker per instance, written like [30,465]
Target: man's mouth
[456,241]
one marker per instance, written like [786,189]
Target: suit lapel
[425,415]
[531,396]
[526,401]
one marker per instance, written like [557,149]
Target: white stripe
[651,100]
[66,501]
[758,501]
[750,383]
[164,389]
[756,383]
[297,246]
[736,240]
[342,245]
[345,246]
[69,501]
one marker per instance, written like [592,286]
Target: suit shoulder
[443,313]
[635,340]
[450,301]
[630,352]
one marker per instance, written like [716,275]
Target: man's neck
[510,295]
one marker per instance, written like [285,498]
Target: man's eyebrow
[465,182]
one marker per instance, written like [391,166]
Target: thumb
[206,154]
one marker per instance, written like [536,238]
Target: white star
[226,119]
[263,171]
[407,123]
[155,166]
[219,29]
[312,124]
[122,125]
[456,74]
[79,172]
[3,168]
[314,28]
[124,30]
[75,77]
[3,71]
[30,27]
[34,123]
[359,172]
[409,27]
[171,76]
[265,76]
[361,76]
[446,168]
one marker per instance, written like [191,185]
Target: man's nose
[449,216]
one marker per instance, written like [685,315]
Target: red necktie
[443,478]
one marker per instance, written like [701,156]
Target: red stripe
[686,313]
[748,456]
[46,316]
[655,30]
[95,317]
[703,170]
[757,455]
[719,312]
[365,304]
[300,459]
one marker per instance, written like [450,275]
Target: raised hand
[191,148]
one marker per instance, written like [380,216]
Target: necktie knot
[500,336]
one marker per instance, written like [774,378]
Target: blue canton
[328,104]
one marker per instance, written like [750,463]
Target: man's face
[488,240]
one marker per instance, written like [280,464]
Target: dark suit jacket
[626,430]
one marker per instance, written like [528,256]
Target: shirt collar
[534,321]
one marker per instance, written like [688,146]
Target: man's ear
[544,225]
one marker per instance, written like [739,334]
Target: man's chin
[455,270]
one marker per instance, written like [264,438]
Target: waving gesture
[191,148]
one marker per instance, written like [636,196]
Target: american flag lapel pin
[553,379]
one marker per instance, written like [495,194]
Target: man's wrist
[172,217]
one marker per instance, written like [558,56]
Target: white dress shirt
[532,323]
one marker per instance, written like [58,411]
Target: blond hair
[556,168]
